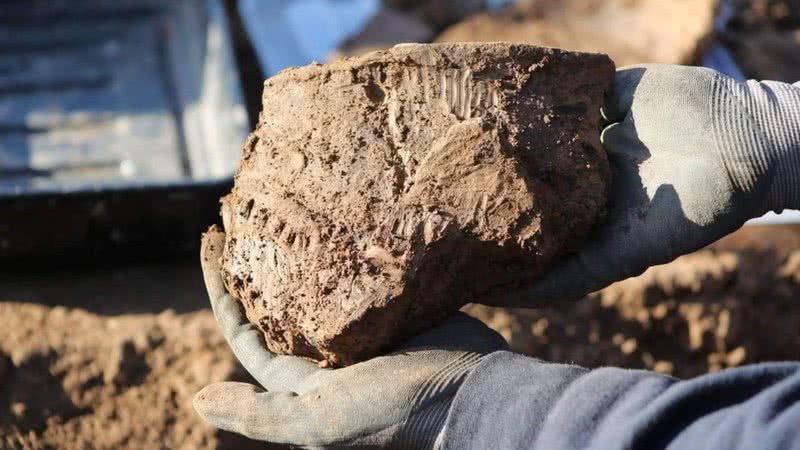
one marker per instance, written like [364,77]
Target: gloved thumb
[248,410]
[570,280]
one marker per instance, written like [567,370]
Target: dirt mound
[631,32]
[73,379]
[731,304]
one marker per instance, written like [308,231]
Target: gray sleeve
[511,401]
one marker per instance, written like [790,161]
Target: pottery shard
[379,194]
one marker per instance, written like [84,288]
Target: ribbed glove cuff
[757,129]
[423,429]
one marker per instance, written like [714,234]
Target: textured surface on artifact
[379,194]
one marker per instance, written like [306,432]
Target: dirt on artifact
[733,303]
[380,194]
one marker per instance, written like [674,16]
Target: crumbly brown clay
[379,194]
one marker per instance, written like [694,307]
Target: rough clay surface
[629,31]
[379,194]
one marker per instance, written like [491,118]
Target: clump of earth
[380,194]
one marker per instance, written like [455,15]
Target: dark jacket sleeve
[511,401]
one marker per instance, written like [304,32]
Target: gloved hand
[400,400]
[694,154]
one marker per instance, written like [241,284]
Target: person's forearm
[510,401]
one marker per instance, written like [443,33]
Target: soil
[109,356]
[733,303]
[117,368]
[378,195]
[631,32]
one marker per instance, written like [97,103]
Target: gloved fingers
[570,280]
[612,252]
[623,91]
[240,334]
[245,409]
[606,116]
[458,332]
[621,139]
[211,248]
[615,138]
[277,417]
[621,248]
[275,373]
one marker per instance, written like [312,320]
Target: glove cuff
[758,134]
[425,426]
[785,192]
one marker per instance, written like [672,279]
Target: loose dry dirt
[110,371]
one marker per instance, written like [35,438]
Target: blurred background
[120,128]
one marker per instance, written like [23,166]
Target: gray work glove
[694,154]
[400,400]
